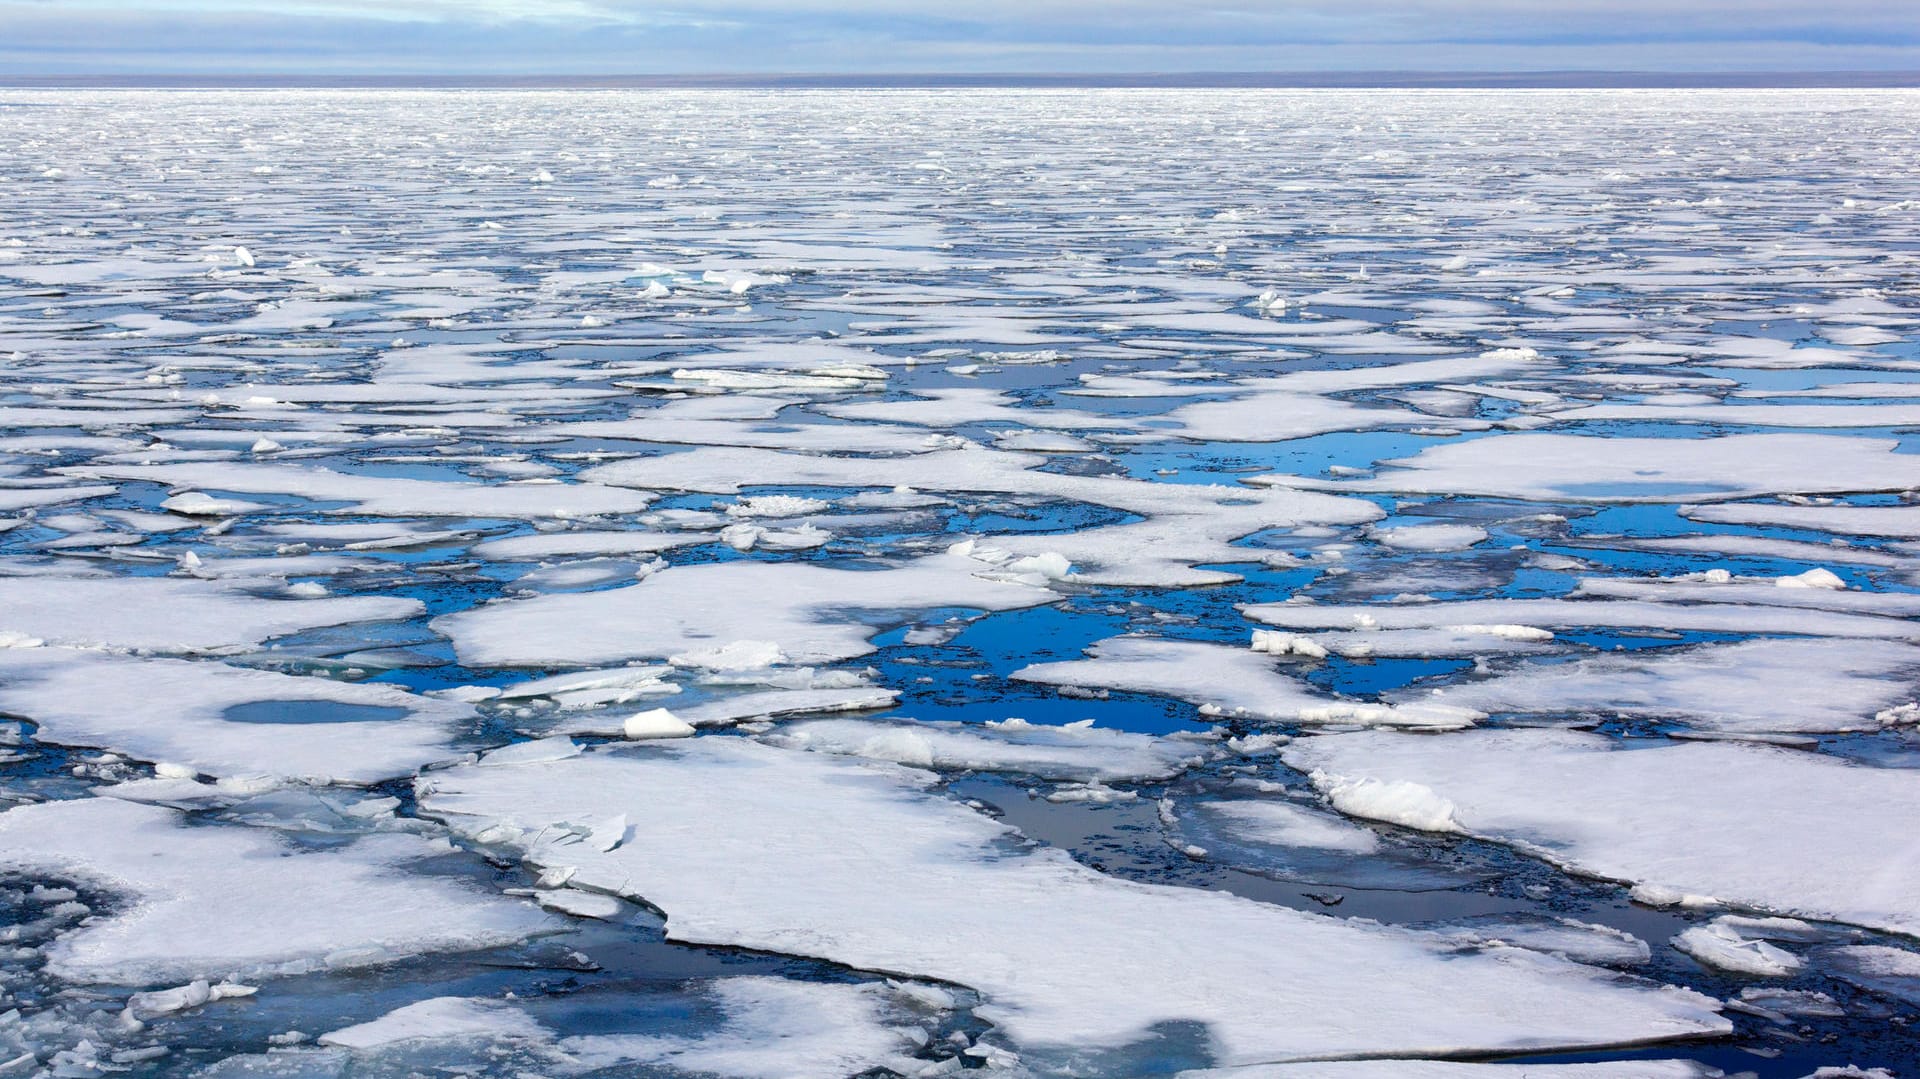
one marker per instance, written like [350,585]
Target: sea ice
[1434,537]
[1285,824]
[221,720]
[1759,686]
[158,614]
[1228,681]
[752,846]
[1749,825]
[226,900]
[389,496]
[685,608]
[1662,618]
[1437,1069]
[1078,751]
[777,1029]
[1723,948]
[1580,468]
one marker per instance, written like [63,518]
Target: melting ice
[836,584]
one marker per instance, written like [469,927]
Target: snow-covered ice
[1076,751]
[1228,681]
[227,721]
[438,1019]
[777,1029]
[1832,685]
[1210,578]
[219,901]
[179,616]
[1555,467]
[1748,825]
[799,608]
[753,846]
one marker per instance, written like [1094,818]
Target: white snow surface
[770,1028]
[1582,613]
[1757,826]
[1749,686]
[272,395]
[1433,537]
[754,846]
[1441,1069]
[1288,825]
[775,1028]
[175,712]
[1724,948]
[1183,524]
[799,607]
[1901,522]
[1581,468]
[389,496]
[224,900]
[1079,752]
[169,615]
[1227,681]
[437,1019]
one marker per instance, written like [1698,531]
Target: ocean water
[1141,582]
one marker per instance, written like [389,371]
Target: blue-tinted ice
[1057,583]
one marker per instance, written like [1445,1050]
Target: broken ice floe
[823,828]
[680,609]
[246,431]
[1745,825]
[223,721]
[218,901]
[1229,682]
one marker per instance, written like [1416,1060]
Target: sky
[598,37]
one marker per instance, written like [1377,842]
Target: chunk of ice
[655,723]
[1769,828]
[1723,948]
[215,900]
[759,847]
[437,1019]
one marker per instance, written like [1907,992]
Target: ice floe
[1764,685]
[218,901]
[1067,957]
[437,1019]
[388,496]
[672,402]
[1229,682]
[158,614]
[684,608]
[778,1029]
[226,721]
[1746,825]
[1663,618]
[1439,1069]
[1581,468]
[1076,752]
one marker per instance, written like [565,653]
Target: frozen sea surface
[897,583]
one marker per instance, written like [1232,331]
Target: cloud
[666,36]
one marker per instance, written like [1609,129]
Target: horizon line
[1384,79]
